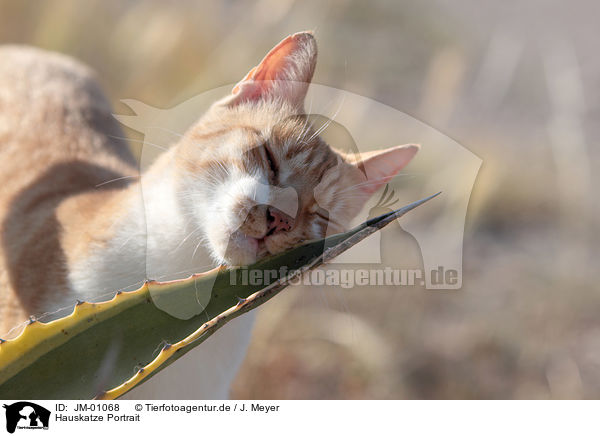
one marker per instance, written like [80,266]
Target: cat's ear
[380,166]
[284,73]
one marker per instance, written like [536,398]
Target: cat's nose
[278,221]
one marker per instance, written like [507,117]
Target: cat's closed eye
[272,163]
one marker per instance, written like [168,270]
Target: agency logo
[430,239]
[26,415]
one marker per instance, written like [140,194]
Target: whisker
[304,130]
[116,180]
[166,130]
[138,140]
[327,124]
[367,183]
[186,238]
[144,142]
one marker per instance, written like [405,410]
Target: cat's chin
[244,250]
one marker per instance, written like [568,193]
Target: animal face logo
[353,123]
[26,415]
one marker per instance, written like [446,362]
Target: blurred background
[515,82]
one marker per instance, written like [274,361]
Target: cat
[76,213]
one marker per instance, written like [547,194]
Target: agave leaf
[103,350]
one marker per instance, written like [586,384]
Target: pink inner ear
[278,64]
[382,165]
[276,61]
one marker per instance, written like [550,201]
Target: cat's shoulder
[29,73]
[39,62]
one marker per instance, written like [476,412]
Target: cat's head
[258,177]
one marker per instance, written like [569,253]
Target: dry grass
[500,80]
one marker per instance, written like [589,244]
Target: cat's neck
[119,239]
[138,233]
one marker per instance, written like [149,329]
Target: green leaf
[103,350]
